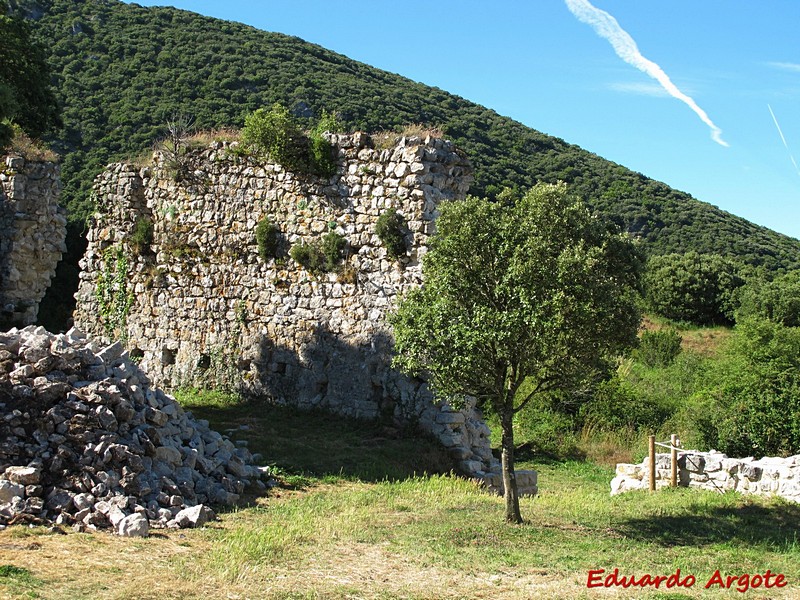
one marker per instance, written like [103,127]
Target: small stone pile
[85,441]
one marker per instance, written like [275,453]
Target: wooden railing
[674,446]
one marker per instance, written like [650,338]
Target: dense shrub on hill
[777,300]
[749,405]
[693,288]
[26,98]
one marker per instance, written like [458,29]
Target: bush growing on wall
[390,229]
[320,256]
[277,134]
[267,239]
[321,151]
[142,235]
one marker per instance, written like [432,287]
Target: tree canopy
[534,290]
[692,287]
[25,94]
[777,300]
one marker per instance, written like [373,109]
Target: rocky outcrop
[199,304]
[85,441]
[32,236]
[768,476]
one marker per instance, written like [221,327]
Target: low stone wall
[199,306]
[33,229]
[715,471]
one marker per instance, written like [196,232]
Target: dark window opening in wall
[204,362]
[136,354]
[167,357]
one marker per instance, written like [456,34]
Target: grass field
[357,518]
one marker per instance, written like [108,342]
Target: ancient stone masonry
[32,236]
[716,472]
[198,304]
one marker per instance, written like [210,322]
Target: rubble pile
[85,441]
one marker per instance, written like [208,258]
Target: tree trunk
[509,477]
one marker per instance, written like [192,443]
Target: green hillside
[122,70]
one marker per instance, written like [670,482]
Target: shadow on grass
[527,453]
[775,527]
[316,444]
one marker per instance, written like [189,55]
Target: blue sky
[537,62]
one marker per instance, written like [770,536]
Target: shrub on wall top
[277,134]
[274,132]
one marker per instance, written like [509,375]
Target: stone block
[135,525]
[10,490]
[451,418]
[23,475]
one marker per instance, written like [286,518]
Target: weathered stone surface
[9,490]
[92,452]
[32,236]
[194,516]
[23,475]
[717,472]
[206,308]
[135,525]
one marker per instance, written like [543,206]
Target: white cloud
[641,89]
[785,66]
[624,45]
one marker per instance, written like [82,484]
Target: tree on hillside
[777,300]
[692,287]
[750,406]
[537,289]
[25,95]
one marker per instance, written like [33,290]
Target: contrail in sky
[783,139]
[607,27]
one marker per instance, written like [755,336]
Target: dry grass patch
[29,149]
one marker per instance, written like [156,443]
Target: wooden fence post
[673,440]
[652,463]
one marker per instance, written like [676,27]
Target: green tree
[750,406]
[538,291]
[692,287]
[777,300]
[25,94]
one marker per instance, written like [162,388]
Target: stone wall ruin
[714,471]
[198,305]
[33,229]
